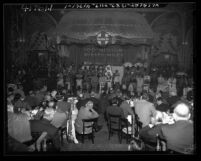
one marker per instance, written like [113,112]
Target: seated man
[44,125]
[178,136]
[114,109]
[125,106]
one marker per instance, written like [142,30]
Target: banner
[108,54]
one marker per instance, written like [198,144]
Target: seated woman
[85,112]
[44,125]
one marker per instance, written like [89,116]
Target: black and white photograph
[99,78]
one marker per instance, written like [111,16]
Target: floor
[101,143]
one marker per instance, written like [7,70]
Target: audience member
[178,136]
[144,110]
[85,112]
[161,106]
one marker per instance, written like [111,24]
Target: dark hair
[114,101]
[159,99]
[17,97]
[10,89]
[145,96]
[190,95]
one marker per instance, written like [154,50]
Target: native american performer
[109,76]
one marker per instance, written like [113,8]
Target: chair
[63,132]
[90,127]
[138,124]
[114,125]
[159,145]
[125,130]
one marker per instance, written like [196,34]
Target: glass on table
[129,118]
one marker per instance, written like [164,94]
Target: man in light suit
[145,110]
[178,136]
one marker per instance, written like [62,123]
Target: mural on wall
[63,51]
[165,43]
[167,35]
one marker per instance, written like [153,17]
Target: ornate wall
[173,35]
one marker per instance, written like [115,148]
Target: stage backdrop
[113,54]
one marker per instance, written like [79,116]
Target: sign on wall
[103,38]
[103,55]
[109,51]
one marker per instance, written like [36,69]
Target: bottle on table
[44,145]
[158,147]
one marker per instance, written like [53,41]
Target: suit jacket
[115,110]
[179,136]
[162,107]
[126,109]
[172,100]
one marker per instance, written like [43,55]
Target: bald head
[182,111]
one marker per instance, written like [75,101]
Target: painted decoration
[103,38]
[167,34]
[63,51]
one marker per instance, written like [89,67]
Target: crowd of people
[99,92]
